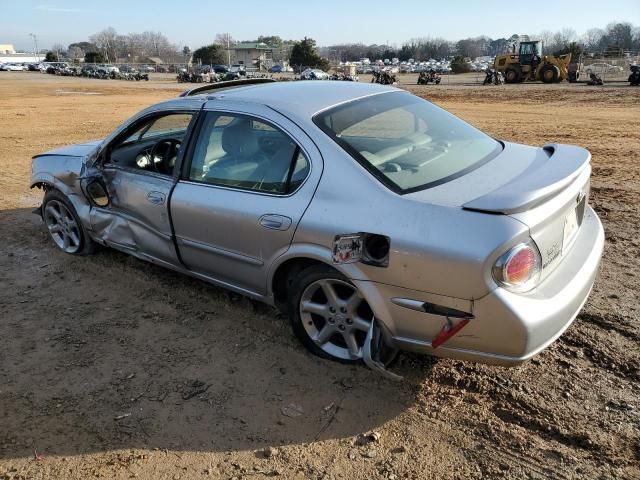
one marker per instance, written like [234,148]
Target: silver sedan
[377,221]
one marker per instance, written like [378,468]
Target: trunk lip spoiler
[538,185]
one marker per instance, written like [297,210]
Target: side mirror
[97,193]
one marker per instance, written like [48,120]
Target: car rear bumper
[507,328]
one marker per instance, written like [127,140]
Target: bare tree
[591,38]
[565,36]
[473,47]
[134,45]
[75,53]
[636,38]
[620,34]
[60,50]
[224,39]
[106,41]
[547,39]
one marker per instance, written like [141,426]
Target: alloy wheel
[62,226]
[335,317]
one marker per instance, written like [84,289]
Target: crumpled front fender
[63,174]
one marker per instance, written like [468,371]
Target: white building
[8,54]
[7,49]
[252,55]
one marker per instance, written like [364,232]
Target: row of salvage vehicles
[530,64]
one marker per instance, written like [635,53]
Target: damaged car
[377,221]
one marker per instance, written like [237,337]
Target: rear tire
[64,225]
[330,316]
[308,288]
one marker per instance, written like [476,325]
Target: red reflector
[447,332]
[518,268]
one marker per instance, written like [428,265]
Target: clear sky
[194,23]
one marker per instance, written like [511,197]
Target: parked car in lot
[220,68]
[107,68]
[314,74]
[599,68]
[375,219]
[12,67]
[128,69]
[276,69]
[238,70]
[54,67]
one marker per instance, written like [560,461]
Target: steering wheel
[167,153]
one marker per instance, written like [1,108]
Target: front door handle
[157,198]
[275,222]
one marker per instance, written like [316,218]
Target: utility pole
[228,51]
[35,42]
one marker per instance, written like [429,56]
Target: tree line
[110,46]
[613,40]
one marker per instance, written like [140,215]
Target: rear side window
[247,153]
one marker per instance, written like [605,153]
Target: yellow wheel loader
[530,64]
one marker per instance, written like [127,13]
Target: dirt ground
[114,368]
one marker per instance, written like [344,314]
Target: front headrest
[238,138]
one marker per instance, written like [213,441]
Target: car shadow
[108,352]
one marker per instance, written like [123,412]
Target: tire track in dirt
[612,321]
[598,351]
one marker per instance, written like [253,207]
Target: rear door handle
[275,222]
[157,198]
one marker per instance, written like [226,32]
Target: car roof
[301,98]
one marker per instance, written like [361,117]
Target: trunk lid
[545,188]
[549,196]
[552,169]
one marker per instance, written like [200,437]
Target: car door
[139,179]
[245,186]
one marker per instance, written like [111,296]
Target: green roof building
[256,55]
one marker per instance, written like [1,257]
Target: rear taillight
[519,268]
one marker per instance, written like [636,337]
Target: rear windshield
[406,142]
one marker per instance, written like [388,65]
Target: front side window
[406,142]
[247,153]
[167,124]
[154,144]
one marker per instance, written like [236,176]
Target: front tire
[550,74]
[65,228]
[511,75]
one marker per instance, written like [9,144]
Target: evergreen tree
[51,57]
[94,57]
[303,54]
[210,55]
